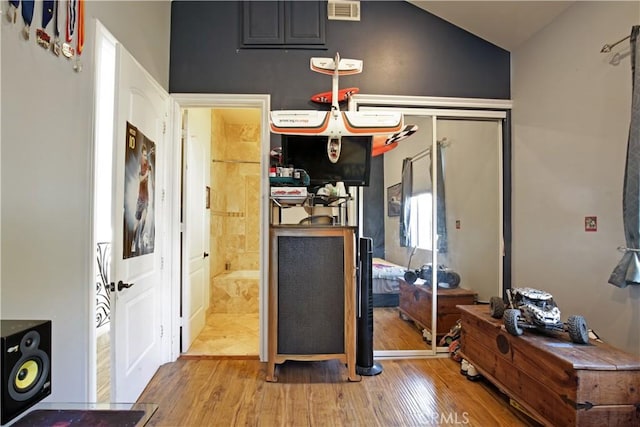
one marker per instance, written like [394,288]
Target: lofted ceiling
[506,24]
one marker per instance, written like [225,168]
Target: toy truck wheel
[496,307]
[511,316]
[453,279]
[577,327]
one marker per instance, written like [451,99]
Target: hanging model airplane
[335,124]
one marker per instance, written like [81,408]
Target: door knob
[121,286]
[206,254]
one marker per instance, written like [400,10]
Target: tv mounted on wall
[309,152]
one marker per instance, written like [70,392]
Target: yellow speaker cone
[27,374]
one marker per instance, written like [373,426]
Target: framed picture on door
[139,191]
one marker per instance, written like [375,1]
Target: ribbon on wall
[27,16]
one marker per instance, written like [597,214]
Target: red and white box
[290,194]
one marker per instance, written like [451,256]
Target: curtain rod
[607,47]
[443,143]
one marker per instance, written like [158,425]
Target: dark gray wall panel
[406,51]
[373,201]
[311,295]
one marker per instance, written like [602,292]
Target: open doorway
[222,216]
[103,232]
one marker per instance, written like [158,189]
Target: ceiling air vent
[343,10]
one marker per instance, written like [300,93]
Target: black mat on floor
[72,417]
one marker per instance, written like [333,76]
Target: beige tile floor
[227,334]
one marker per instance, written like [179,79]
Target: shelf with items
[302,208]
[289,196]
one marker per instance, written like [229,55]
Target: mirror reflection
[463,210]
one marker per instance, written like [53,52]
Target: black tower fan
[364,352]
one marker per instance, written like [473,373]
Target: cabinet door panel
[283,24]
[305,22]
[263,23]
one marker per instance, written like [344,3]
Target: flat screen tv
[309,152]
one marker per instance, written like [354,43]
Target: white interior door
[140,227]
[195,294]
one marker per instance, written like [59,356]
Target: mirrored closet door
[442,193]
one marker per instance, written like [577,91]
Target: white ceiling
[506,24]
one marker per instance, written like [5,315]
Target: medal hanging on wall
[42,38]
[56,48]
[13,10]
[67,49]
[80,37]
[27,16]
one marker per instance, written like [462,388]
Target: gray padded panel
[310,295]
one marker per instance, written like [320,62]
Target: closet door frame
[446,108]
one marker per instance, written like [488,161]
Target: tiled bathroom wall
[235,212]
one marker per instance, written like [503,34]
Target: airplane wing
[335,124]
[299,122]
[372,123]
[328,66]
[384,143]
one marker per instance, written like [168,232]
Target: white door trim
[188,100]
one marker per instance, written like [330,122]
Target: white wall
[47,253]
[571,121]
[471,183]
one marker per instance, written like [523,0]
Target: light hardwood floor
[390,332]
[238,334]
[227,391]
[103,368]
[205,392]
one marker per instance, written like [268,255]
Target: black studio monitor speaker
[26,365]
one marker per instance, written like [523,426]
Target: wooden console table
[416,304]
[560,383]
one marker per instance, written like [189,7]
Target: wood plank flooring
[220,391]
[205,392]
[103,368]
[390,332]
[238,334]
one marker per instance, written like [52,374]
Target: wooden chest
[560,383]
[416,303]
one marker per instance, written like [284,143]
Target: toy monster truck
[530,308]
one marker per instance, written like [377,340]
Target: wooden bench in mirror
[416,304]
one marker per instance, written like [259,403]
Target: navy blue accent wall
[374,209]
[406,51]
